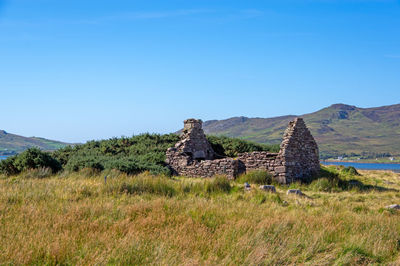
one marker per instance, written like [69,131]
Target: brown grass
[73,219]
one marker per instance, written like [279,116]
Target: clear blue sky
[76,70]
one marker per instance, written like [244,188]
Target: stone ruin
[297,159]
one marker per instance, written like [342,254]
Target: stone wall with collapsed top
[297,159]
[298,155]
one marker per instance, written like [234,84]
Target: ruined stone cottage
[297,159]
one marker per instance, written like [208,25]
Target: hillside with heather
[339,129]
[12,144]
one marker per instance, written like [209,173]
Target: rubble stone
[268,188]
[294,191]
[393,206]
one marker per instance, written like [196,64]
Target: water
[2,157]
[368,166]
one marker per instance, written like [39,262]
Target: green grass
[78,218]
[260,177]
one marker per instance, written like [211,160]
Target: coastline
[353,161]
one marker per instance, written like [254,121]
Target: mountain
[11,144]
[339,129]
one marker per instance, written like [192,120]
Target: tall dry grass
[76,219]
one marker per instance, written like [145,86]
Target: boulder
[295,192]
[268,188]
[393,206]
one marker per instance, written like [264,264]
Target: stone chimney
[194,142]
[191,123]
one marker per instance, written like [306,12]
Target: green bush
[32,158]
[77,163]
[145,152]
[260,177]
[231,147]
[335,179]
[350,170]
[7,166]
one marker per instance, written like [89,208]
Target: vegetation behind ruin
[145,152]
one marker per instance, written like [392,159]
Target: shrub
[77,163]
[7,166]
[32,158]
[145,152]
[260,177]
[332,179]
[350,170]
[230,147]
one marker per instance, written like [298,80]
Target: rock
[393,206]
[268,188]
[388,182]
[280,169]
[294,191]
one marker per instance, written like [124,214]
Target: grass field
[80,219]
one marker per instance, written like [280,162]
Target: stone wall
[205,168]
[299,154]
[258,160]
[297,159]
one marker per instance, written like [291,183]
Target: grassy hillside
[338,129]
[71,219]
[11,144]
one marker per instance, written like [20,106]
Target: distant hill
[12,144]
[339,129]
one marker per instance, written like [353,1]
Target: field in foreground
[80,219]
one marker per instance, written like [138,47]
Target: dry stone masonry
[297,159]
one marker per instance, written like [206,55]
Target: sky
[74,70]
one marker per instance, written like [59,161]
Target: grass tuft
[256,177]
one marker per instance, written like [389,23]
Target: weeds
[256,177]
[218,184]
